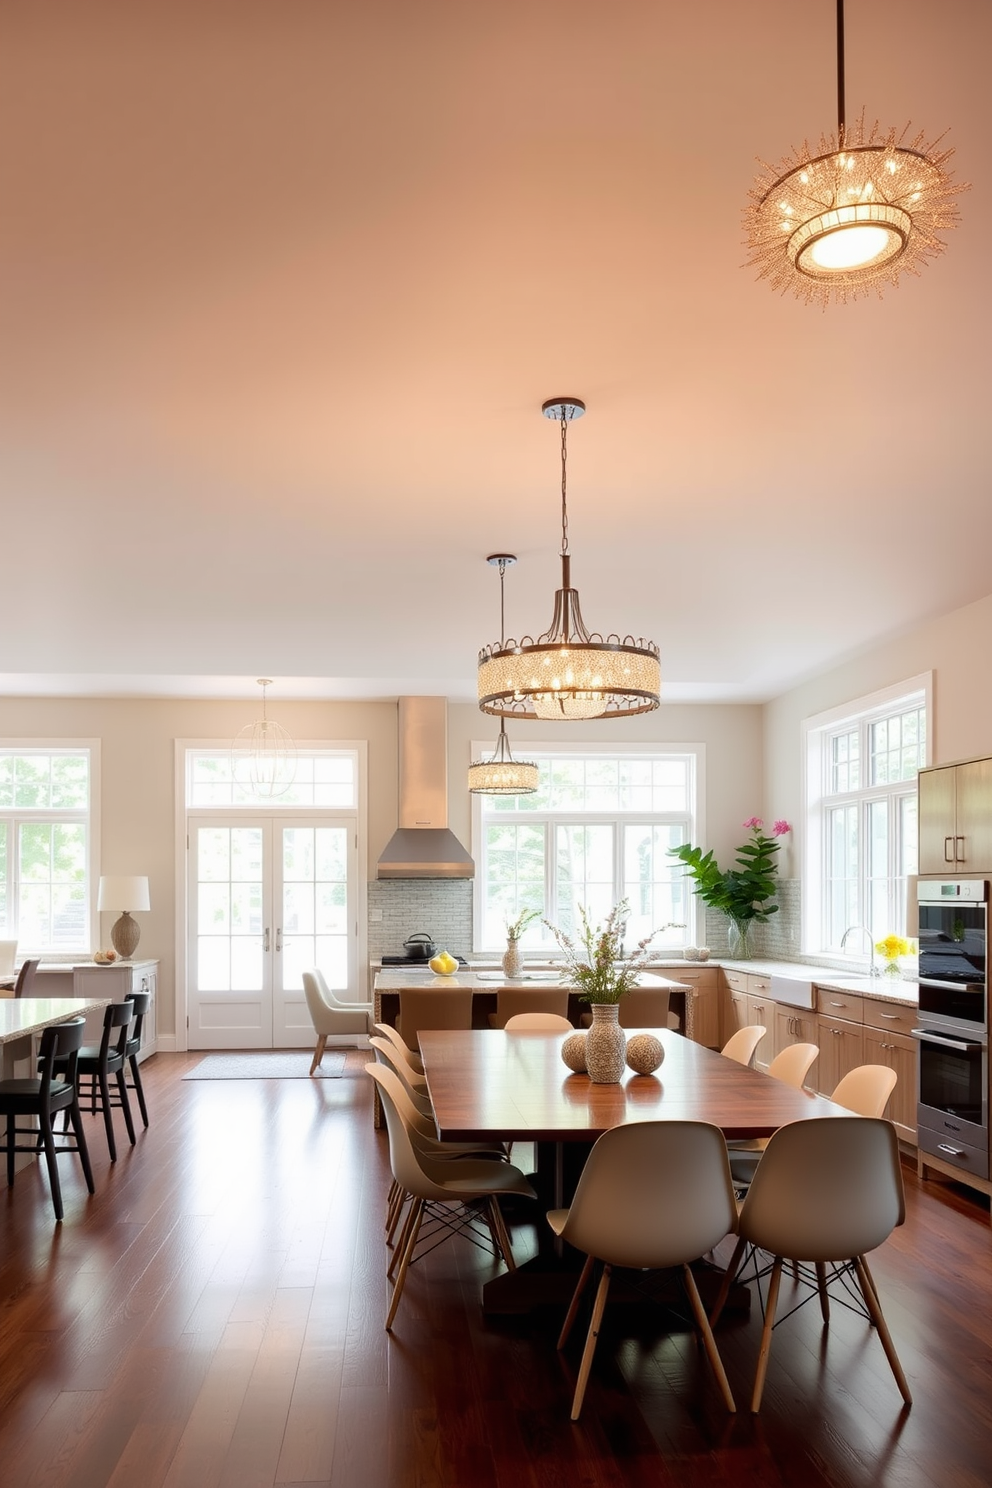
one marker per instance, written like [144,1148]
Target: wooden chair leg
[709,1342]
[871,1302]
[108,1116]
[125,1104]
[417,1211]
[84,1153]
[766,1336]
[592,1337]
[728,1281]
[821,1286]
[318,1053]
[400,1251]
[139,1089]
[573,1306]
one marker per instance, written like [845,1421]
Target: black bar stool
[97,1065]
[39,1098]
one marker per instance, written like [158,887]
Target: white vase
[606,1045]
[513,961]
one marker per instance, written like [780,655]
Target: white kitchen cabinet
[115,982]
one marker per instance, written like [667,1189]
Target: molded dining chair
[441,1192]
[433,1008]
[653,1195]
[513,1000]
[415,1084]
[866,1090]
[538,1023]
[742,1044]
[25,977]
[824,1193]
[328,1016]
[793,1064]
[790,1065]
[643,1007]
[386,1031]
[38,1099]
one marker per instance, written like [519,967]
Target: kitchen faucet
[873,970]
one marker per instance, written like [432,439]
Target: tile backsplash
[780,939]
[399,907]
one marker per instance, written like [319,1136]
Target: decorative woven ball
[573,1051]
[644,1053]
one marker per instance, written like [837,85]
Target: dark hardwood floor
[214,1316]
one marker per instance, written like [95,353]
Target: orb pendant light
[502,775]
[850,217]
[568,672]
[263,755]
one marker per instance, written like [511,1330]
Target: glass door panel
[230,980]
[317,919]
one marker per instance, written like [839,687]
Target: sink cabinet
[955,817]
[747,1002]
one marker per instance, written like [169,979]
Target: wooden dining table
[498,1086]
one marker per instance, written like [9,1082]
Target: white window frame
[817,733]
[536,750]
[185,749]
[90,817]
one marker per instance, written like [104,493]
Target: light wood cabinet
[955,818]
[793,1026]
[745,1002]
[899,1052]
[705,1018]
[842,1049]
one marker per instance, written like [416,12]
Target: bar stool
[39,1098]
[97,1065]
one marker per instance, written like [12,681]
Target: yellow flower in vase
[892,947]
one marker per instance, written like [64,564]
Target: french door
[269,897]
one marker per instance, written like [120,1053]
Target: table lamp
[124,892]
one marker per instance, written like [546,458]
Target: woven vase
[513,961]
[606,1045]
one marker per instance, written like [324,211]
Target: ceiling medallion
[568,672]
[849,218]
[502,775]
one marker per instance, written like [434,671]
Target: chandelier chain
[564,462]
[841,106]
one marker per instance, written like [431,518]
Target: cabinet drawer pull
[948,853]
[951,1151]
[959,857]
[890,1016]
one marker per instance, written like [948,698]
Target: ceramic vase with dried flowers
[603,971]
[513,961]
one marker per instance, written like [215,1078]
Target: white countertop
[396,978]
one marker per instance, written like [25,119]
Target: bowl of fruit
[443,964]
[104,958]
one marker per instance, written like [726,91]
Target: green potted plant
[743,894]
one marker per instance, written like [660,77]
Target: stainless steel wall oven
[953,1095]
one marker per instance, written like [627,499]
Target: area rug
[266,1067]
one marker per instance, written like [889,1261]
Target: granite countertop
[876,989]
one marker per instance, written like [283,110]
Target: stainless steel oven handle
[951,1151]
[948,1043]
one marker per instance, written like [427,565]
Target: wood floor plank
[214,1316]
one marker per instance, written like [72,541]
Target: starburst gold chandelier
[850,217]
[568,672]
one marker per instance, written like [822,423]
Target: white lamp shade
[123,891]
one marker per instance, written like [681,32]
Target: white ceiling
[283,286]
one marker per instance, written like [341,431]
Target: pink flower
[753,822]
[780,828]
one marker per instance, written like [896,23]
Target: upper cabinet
[956,818]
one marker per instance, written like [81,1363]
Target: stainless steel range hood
[423,846]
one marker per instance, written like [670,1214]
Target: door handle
[959,857]
[948,855]
[279,938]
[265,939]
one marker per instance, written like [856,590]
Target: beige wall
[137,825]
[954,647]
